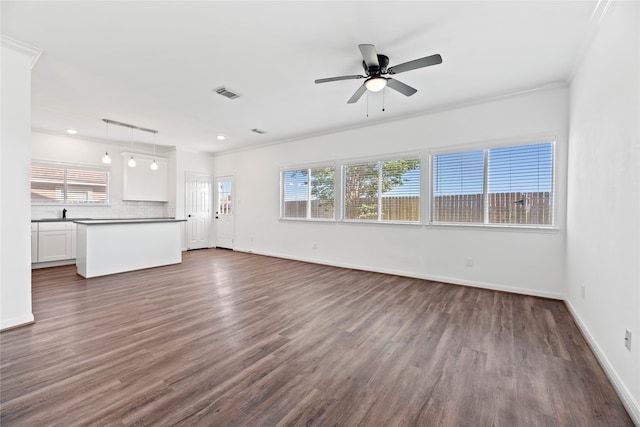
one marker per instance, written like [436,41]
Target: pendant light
[132,161]
[106,159]
[154,165]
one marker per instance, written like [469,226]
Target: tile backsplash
[113,211]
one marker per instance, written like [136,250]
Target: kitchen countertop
[126,221]
[105,220]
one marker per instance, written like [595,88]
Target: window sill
[364,222]
[498,227]
[308,220]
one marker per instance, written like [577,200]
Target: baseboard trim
[442,279]
[631,405]
[17,322]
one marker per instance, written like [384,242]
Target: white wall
[520,261]
[15,161]
[59,148]
[603,223]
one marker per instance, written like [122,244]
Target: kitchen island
[111,246]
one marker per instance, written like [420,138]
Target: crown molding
[21,47]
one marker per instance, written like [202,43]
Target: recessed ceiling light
[72,131]
[220,137]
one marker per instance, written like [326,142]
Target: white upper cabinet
[143,183]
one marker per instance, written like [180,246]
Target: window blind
[66,185]
[384,190]
[308,193]
[458,187]
[510,185]
[520,186]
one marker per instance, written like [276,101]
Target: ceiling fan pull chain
[383,92]
[367,103]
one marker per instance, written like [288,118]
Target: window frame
[74,166]
[380,159]
[308,167]
[485,147]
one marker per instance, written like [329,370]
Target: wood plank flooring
[233,339]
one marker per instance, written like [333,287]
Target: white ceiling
[155,64]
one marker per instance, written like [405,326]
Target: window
[385,190]
[224,198]
[69,185]
[308,193]
[505,185]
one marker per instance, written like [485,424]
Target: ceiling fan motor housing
[383,61]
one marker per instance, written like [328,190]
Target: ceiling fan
[376,66]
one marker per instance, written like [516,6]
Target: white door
[224,208]
[198,210]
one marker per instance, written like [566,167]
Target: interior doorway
[198,210]
[224,211]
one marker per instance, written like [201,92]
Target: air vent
[225,91]
[260,131]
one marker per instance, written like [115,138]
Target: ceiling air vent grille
[225,91]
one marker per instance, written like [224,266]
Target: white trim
[313,165]
[560,84]
[439,279]
[307,167]
[22,47]
[51,163]
[485,147]
[17,321]
[125,154]
[512,141]
[631,405]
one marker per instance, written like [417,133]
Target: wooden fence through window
[533,208]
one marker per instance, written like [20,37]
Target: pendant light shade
[154,165]
[106,159]
[132,161]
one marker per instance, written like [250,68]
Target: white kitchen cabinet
[34,242]
[55,241]
[74,235]
[143,184]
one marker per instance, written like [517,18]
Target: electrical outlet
[468,262]
[627,339]
[583,290]
[315,246]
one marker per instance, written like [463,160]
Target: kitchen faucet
[64,213]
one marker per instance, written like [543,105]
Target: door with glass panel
[224,212]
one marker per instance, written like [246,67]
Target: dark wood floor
[230,339]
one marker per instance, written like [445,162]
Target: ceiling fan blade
[369,55]
[416,63]
[335,79]
[356,96]
[401,87]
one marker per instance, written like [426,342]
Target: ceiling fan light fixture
[375,84]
